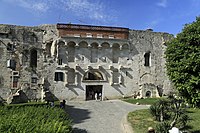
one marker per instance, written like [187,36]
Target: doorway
[91,90]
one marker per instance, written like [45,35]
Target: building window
[15,81]
[111,36]
[11,64]
[88,35]
[147,59]
[59,76]
[34,80]
[77,35]
[10,47]
[33,59]
[59,61]
[99,36]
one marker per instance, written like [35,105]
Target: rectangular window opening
[59,76]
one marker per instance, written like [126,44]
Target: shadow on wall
[77,115]
[105,71]
[46,84]
[71,88]
[50,96]
[117,87]
[19,97]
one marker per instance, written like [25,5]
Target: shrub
[169,113]
[163,127]
[33,119]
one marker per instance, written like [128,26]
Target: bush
[160,110]
[162,127]
[33,119]
[169,113]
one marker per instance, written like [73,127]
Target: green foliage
[27,119]
[163,127]
[145,101]
[169,113]
[142,119]
[160,110]
[183,62]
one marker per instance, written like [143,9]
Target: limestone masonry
[75,62]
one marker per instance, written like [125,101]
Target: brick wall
[96,31]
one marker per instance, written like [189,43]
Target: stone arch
[71,43]
[62,53]
[93,75]
[115,52]
[71,51]
[106,53]
[94,52]
[61,41]
[124,54]
[83,44]
[84,51]
[148,94]
[125,46]
[94,45]
[116,45]
[105,45]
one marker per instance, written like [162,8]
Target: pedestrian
[61,104]
[64,102]
[95,96]
[100,96]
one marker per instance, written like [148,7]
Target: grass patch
[146,101]
[142,119]
[26,118]
[193,123]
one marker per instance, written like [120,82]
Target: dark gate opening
[91,90]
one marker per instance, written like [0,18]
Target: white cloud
[86,9]
[32,6]
[162,3]
[154,23]
[93,10]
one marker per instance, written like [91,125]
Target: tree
[183,62]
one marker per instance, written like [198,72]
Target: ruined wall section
[149,77]
[26,47]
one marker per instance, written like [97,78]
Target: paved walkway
[100,116]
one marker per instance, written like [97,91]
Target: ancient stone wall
[33,59]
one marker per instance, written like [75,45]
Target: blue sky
[160,15]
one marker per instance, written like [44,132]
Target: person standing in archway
[95,96]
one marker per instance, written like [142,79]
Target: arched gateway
[94,77]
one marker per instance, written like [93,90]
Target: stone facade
[67,61]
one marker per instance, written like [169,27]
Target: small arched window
[147,58]
[148,94]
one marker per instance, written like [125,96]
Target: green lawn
[142,119]
[33,117]
[146,101]
[194,123]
